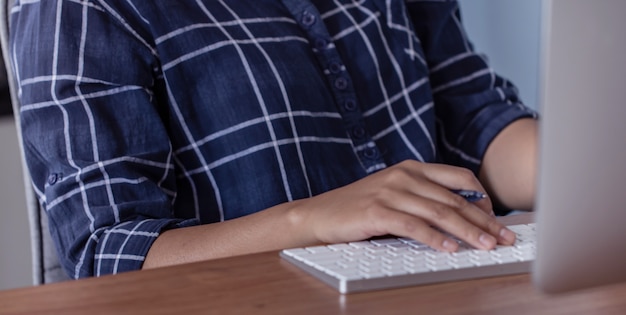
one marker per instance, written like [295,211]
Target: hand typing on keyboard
[410,199]
[397,262]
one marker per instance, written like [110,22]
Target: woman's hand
[410,199]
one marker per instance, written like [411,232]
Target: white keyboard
[397,262]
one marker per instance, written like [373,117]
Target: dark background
[5,98]
[5,102]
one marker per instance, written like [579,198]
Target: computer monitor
[581,201]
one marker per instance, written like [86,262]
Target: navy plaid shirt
[142,116]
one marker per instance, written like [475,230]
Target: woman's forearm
[509,166]
[266,230]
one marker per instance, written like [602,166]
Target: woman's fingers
[411,199]
[447,178]
[475,215]
[427,182]
[489,224]
[406,225]
[463,220]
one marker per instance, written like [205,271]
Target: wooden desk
[264,284]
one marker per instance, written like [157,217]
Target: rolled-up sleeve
[472,103]
[95,140]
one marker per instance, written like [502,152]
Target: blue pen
[469,195]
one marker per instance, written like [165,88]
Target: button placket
[339,81]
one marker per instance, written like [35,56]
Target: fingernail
[507,235]
[450,245]
[487,240]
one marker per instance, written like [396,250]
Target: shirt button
[358,132]
[371,153]
[341,83]
[308,19]
[334,67]
[53,178]
[349,105]
[321,43]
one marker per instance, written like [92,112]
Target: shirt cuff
[124,247]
